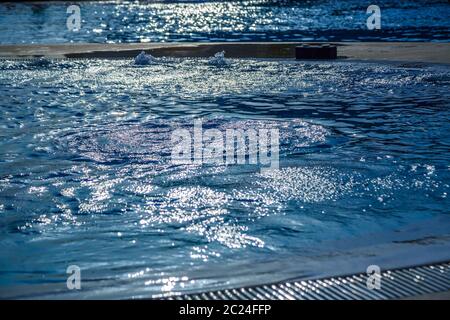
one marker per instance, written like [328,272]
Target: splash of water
[143,59]
[219,59]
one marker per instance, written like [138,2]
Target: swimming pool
[209,21]
[86,176]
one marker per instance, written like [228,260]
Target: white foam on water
[143,59]
[219,59]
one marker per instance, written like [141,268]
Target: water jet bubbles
[219,60]
[143,59]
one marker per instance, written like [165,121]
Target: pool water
[254,20]
[86,176]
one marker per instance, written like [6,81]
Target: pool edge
[411,52]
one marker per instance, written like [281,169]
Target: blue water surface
[86,177]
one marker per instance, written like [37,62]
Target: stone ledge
[426,52]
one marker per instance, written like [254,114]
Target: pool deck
[410,52]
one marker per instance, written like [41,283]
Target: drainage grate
[398,283]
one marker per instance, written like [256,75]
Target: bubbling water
[86,175]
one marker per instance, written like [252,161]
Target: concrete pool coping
[409,52]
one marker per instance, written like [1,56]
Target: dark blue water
[259,20]
[86,177]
